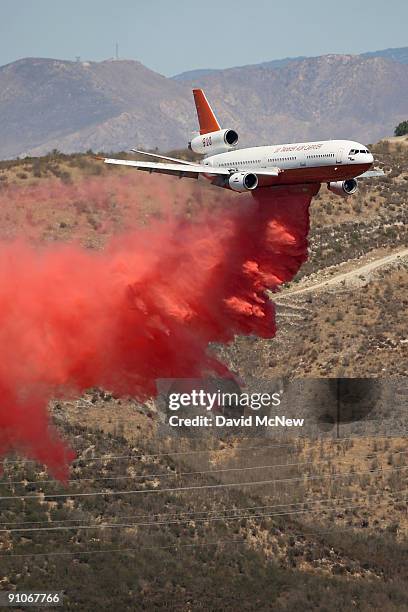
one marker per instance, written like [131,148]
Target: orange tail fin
[206,117]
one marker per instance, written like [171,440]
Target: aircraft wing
[166,157]
[266,172]
[371,174]
[189,170]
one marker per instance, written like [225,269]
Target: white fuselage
[305,162]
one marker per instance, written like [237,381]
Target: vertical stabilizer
[206,118]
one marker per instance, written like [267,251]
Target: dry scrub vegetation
[328,533]
[331,535]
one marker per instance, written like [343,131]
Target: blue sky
[174,36]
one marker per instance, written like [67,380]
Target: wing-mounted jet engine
[343,188]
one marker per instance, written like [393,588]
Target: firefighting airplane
[335,162]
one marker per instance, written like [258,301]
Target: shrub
[401,129]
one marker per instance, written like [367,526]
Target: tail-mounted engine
[343,188]
[243,181]
[212,143]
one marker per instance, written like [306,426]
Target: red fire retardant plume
[145,307]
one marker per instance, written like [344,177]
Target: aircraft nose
[370,158]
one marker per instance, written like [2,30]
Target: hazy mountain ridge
[74,106]
[399,54]
[278,63]
[330,96]
[114,105]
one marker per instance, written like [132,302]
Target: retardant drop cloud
[147,306]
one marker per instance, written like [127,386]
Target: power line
[167,454]
[181,521]
[371,456]
[218,542]
[113,550]
[163,475]
[166,547]
[209,512]
[317,533]
[218,450]
[197,487]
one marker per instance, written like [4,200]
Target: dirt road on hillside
[350,276]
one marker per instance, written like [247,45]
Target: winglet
[206,117]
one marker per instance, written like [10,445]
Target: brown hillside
[111,105]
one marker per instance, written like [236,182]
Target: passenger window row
[277,159]
[240,163]
[322,155]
